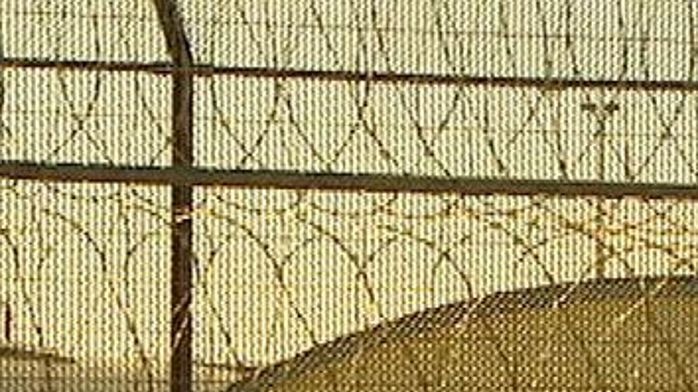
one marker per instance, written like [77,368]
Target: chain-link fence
[597,98]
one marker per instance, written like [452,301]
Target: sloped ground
[611,335]
[620,335]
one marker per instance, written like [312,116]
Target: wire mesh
[85,267]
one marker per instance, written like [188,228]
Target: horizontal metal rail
[28,353]
[355,182]
[207,70]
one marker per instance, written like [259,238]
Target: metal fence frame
[182,176]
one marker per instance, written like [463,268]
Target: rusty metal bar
[207,70]
[181,366]
[353,182]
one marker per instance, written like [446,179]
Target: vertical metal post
[8,323]
[181,264]
[182,195]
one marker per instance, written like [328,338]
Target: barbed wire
[336,90]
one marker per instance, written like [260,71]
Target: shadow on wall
[605,334]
